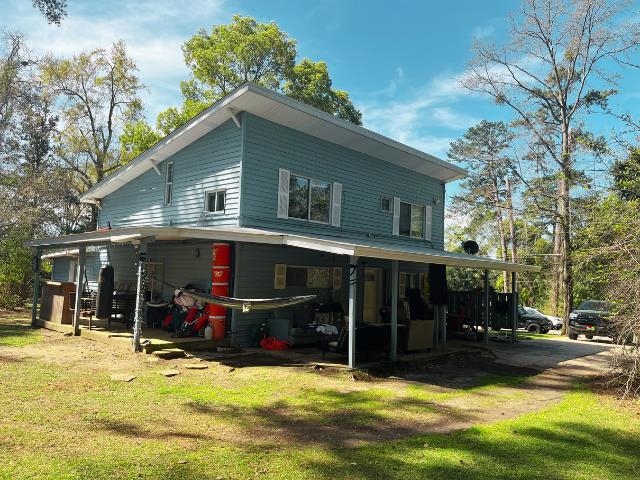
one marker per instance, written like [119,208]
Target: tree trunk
[512,225]
[556,280]
[564,217]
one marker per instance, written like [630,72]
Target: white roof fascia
[286,111]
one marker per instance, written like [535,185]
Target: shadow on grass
[561,450]
[16,334]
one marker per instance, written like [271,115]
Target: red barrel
[219,324]
[216,310]
[221,254]
[220,276]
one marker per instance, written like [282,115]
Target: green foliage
[53,10]
[15,268]
[626,176]
[135,139]
[242,51]
[309,82]
[248,51]
[100,93]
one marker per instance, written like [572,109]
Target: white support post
[514,307]
[353,284]
[443,319]
[486,307]
[140,291]
[394,310]
[82,250]
[35,267]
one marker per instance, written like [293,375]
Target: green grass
[67,420]
[16,331]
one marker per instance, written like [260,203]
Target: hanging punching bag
[104,299]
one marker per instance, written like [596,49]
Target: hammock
[248,304]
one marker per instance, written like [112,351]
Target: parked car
[589,319]
[533,321]
[556,322]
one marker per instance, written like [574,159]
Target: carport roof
[408,253]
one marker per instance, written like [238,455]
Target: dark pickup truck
[589,319]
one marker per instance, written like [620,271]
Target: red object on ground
[219,325]
[272,343]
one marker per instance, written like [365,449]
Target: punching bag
[438,284]
[104,299]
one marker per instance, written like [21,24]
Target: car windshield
[596,305]
[532,310]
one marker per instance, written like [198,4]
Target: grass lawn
[64,418]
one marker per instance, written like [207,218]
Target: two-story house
[307,203]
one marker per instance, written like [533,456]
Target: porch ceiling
[409,253]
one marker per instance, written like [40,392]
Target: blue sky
[400,60]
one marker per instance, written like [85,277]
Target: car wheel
[573,336]
[534,328]
[545,330]
[590,337]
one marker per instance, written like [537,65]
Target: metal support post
[82,251]
[35,267]
[394,310]
[140,290]
[514,307]
[486,307]
[353,283]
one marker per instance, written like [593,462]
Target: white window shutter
[283,193]
[336,204]
[427,222]
[337,278]
[280,276]
[396,216]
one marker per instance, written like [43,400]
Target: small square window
[215,201]
[385,204]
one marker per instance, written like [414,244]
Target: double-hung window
[215,202]
[309,199]
[411,220]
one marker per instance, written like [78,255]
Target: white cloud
[483,32]
[420,113]
[154,31]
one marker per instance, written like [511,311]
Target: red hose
[272,343]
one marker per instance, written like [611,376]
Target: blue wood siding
[269,147]
[209,164]
[182,264]
[254,278]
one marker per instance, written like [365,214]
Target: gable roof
[285,111]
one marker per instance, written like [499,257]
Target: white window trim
[426,224]
[335,200]
[389,199]
[168,184]
[280,276]
[207,194]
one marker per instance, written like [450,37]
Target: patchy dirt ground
[453,393]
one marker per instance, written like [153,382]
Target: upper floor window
[168,185]
[215,201]
[385,204]
[309,199]
[411,220]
